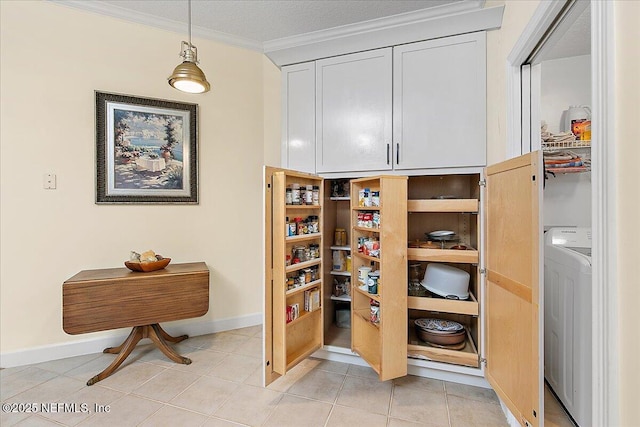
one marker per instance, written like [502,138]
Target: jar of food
[375,311]
[348,263]
[288,260]
[340,237]
[289,196]
[299,253]
[363,273]
[291,282]
[307,275]
[372,282]
[316,195]
[301,279]
[375,198]
[308,195]
[314,273]
[295,194]
[314,250]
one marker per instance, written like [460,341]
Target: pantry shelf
[362,290]
[443,305]
[418,349]
[304,315]
[302,265]
[366,208]
[341,248]
[340,273]
[343,298]
[367,257]
[368,229]
[443,205]
[340,198]
[296,207]
[443,255]
[304,237]
[299,289]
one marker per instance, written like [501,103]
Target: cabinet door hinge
[483,361]
[483,271]
[482,183]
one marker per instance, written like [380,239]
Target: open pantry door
[513,294]
[293,327]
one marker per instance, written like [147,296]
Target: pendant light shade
[188,77]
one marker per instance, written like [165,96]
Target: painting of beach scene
[148,151]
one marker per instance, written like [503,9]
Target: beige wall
[627,113]
[53,58]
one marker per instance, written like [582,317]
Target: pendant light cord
[189,3]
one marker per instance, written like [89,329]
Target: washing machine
[567,319]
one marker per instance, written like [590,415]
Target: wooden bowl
[147,266]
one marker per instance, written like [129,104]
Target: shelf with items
[378,322]
[443,255]
[340,273]
[563,145]
[442,205]
[304,237]
[340,198]
[343,298]
[303,265]
[444,305]
[304,287]
[296,332]
[466,355]
[340,248]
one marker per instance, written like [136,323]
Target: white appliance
[567,319]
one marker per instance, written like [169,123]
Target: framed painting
[146,150]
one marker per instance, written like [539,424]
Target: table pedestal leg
[156,334]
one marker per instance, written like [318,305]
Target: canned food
[372,283]
[375,311]
[340,237]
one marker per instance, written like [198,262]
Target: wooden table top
[97,300]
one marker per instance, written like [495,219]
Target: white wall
[566,82]
[53,58]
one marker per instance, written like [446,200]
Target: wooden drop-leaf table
[98,300]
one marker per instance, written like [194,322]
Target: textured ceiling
[575,41]
[267,20]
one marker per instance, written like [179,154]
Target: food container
[363,273]
[446,281]
[440,331]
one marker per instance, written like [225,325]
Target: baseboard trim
[81,347]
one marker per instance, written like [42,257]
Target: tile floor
[222,387]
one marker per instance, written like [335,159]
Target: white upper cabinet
[439,110]
[298,117]
[354,112]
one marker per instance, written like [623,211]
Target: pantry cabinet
[439,111]
[353,112]
[495,215]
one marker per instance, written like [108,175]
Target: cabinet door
[353,112]
[439,94]
[381,340]
[514,320]
[298,117]
[289,340]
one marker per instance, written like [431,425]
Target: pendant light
[188,77]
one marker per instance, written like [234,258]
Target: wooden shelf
[341,248]
[443,255]
[418,349]
[343,298]
[303,207]
[367,257]
[340,199]
[443,305]
[366,208]
[376,297]
[304,315]
[294,358]
[302,265]
[303,237]
[443,205]
[340,273]
[364,315]
[303,288]
[368,229]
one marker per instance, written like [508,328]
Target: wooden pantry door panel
[513,293]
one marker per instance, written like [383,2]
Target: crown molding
[158,22]
[405,31]
[372,25]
